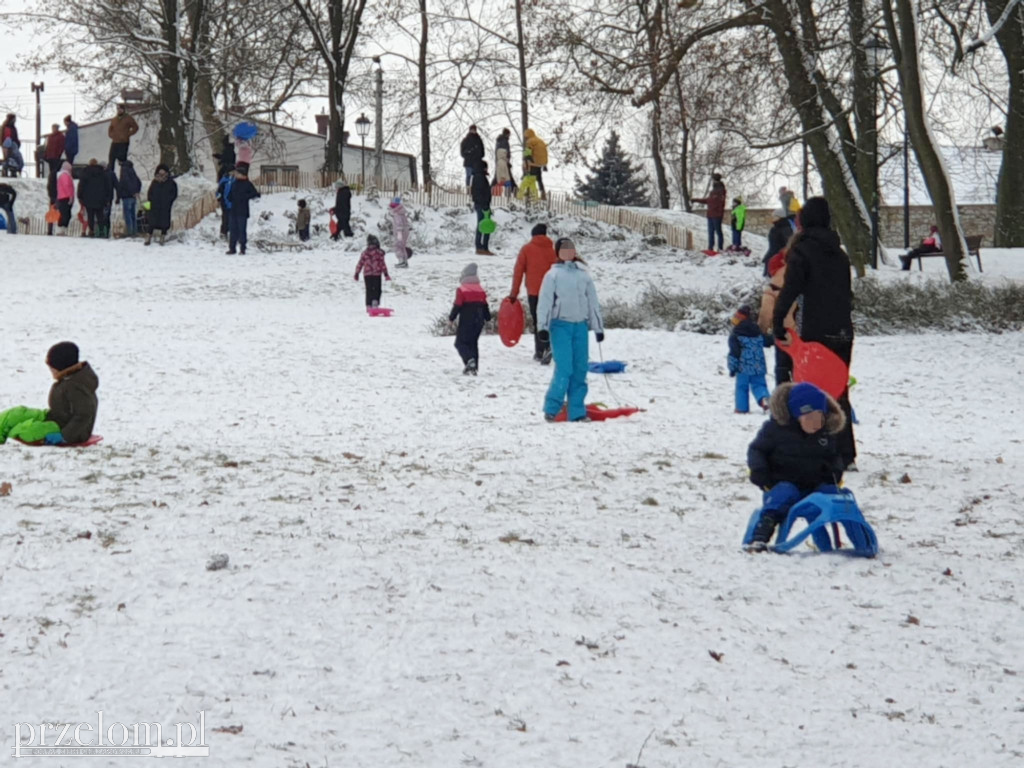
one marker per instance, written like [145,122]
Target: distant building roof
[973,171]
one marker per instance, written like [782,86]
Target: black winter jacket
[778,236]
[819,270]
[73,402]
[242,191]
[472,150]
[343,203]
[480,189]
[92,187]
[161,196]
[783,452]
[129,185]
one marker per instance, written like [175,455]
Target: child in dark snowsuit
[471,308]
[372,265]
[794,454]
[746,360]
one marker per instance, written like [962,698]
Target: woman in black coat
[818,274]
[343,211]
[162,193]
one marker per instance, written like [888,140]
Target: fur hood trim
[778,406]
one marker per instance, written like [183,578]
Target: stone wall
[976,220]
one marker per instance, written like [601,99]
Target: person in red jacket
[535,259]
[716,210]
[54,149]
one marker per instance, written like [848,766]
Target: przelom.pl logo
[117,739]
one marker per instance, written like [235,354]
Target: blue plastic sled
[820,510]
[245,131]
[607,366]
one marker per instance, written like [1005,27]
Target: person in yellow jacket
[535,158]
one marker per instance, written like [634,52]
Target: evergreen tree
[613,180]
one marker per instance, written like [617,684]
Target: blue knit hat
[806,398]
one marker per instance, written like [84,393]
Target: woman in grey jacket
[566,308]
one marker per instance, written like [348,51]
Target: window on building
[283,175]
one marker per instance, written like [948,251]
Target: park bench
[973,249]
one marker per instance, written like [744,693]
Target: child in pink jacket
[65,197]
[401,224]
[372,265]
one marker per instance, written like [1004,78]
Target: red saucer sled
[818,365]
[597,412]
[93,440]
[511,321]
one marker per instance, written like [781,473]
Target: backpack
[224,192]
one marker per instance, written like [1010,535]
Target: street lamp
[877,52]
[363,129]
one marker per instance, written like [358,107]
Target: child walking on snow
[372,265]
[746,360]
[794,454]
[738,222]
[471,308]
[401,223]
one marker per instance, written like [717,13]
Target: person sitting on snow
[794,454]
[72,412]
[746,360]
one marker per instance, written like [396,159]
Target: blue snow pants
[746,383]
[569,348]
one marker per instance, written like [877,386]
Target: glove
[388,278]
[599,336]
[545,337]
[761,479]
[54,438]
[356,278]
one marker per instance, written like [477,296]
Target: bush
[899,307]
[878,308]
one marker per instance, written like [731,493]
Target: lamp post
[363,129]
[38,89]
[378,144]
[877,52]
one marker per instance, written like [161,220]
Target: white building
[282,153]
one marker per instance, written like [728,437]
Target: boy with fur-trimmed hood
[794,454]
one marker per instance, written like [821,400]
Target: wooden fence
[435,196]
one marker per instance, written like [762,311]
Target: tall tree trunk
[428,180]
[521,53]
[904,47]
[171,135]
[213,126]
[684,152]
[849,212]
[659,164]
[865,106]
[1010,189]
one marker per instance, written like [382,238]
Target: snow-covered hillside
[422,572]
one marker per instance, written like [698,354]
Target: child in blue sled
[794,454]
[746,360]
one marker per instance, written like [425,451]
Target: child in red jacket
[471,308]
[372,265]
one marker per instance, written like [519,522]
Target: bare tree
[334,27]
[902,29]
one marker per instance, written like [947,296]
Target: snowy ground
[424,573]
